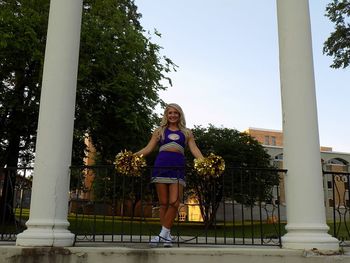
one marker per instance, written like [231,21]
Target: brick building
[332,161]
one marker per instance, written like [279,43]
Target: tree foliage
[22,42]
[248,178]
[338,43]
[23,27]
[237,148]
[120,73]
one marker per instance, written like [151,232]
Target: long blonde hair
[182,122]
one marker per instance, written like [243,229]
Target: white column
[306,226]
[47,224]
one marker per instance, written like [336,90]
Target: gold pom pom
[128,163]
[211,166]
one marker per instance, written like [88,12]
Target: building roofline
[326,152]
[346,153]
[262,129]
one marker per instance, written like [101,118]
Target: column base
[308,238]
[45,236]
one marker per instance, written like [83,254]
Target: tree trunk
[9,175]
[12,153]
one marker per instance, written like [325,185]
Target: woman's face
[173,116]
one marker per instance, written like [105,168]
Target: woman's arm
[193,147]
[151,144]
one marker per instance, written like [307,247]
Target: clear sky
[228,75]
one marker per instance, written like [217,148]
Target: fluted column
[306,226]
[47,224]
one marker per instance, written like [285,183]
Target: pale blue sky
[228,75]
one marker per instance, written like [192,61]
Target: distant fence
[241,207]
[336,186]
[15,192]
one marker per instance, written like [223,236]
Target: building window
[279,157]
[331,202]
[267,140]
[329,184]
[273,140]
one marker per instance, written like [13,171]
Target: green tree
[120,74]
[22,41]
[248,176]
[338,43]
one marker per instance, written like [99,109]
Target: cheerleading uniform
[169,166]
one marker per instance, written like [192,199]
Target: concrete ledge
[15,254]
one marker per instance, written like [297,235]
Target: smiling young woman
[169,167]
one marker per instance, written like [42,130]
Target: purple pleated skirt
[169,168]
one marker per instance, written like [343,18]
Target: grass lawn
[99,224]
[150,226]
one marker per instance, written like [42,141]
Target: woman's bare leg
[174,199]
[163,198]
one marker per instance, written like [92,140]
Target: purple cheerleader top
[173,139]
[169,166]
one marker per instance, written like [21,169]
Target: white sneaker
[167,243]
[171,237]
[157,240]
[168,240]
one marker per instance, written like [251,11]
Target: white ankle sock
[165,232]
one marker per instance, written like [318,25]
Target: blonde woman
[169,167]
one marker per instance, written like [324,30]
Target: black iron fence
[15,192]
[245,206]
[241,207]
[336,186]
